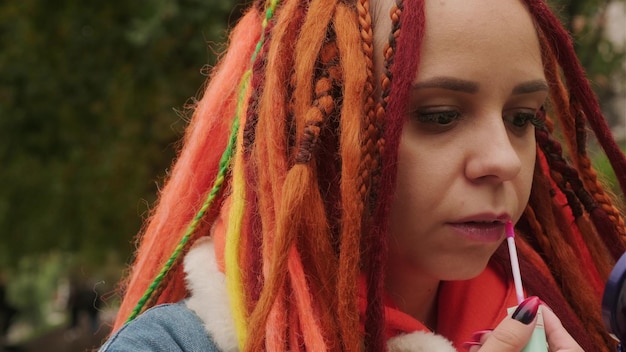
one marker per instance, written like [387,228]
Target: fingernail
[543,303]
[527,310]
[468,344]
[479,334]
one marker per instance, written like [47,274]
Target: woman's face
[467,153]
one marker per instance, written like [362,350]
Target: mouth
[487,231]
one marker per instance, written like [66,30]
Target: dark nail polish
[527,310]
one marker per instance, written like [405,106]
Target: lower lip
[479,232]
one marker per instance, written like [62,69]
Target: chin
[464,271]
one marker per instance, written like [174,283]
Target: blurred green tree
[601,56]
[91,100]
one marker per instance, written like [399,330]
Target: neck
[415,295]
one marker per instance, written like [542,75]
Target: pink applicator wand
[537,342]
[517,277]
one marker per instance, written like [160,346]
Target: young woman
[346,181]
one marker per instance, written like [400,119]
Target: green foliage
[607,177]
[37,282]
[602,59]
[90,98]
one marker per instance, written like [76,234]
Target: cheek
[525,179]
[416,169]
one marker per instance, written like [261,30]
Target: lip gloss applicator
[517,277]
[537,342]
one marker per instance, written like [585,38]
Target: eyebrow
[531,87]
[465,86]
[449,83]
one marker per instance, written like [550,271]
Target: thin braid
[589,245]
[371,152]
[375,253]
[600,219]
[407,53]
[590,177]
[372,125]
[540,239]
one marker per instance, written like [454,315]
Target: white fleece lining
[209,297]
[209,300]
[420,341]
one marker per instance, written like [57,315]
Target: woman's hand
[558,338]
[514,332]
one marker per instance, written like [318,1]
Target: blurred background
[94,98]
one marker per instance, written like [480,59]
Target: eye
[437,120]
[521,120]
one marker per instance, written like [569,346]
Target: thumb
[513,333]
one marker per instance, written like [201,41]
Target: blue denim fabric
[166,327]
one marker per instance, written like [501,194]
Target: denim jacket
[166,328]
[203,321]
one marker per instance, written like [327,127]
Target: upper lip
[484,217]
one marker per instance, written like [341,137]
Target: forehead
[495,30]
[478,21]
[493,35]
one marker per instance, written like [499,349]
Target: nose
[492,154]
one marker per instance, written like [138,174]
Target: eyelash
[528,117]
[443,118]
[447,119]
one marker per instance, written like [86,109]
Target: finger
[513,333]
[510,335]
[482,335]
[558,338]
[473,346]
[477,340]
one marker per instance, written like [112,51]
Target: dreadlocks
[295,143]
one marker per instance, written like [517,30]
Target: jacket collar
[470,305]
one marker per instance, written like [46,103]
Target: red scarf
[464,307]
